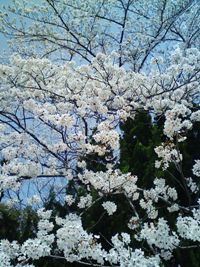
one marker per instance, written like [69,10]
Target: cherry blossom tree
[78,70]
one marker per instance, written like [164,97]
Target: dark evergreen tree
[137,155]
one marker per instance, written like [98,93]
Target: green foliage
[137,155]
[17,224]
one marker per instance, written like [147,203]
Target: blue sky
[3,42]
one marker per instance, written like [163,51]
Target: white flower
[110,207]
[85,201]
[69,199]
[159,235]
[35,248]
[196,168]
[44,214]
[195,116]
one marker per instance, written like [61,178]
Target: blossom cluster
[54,116]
